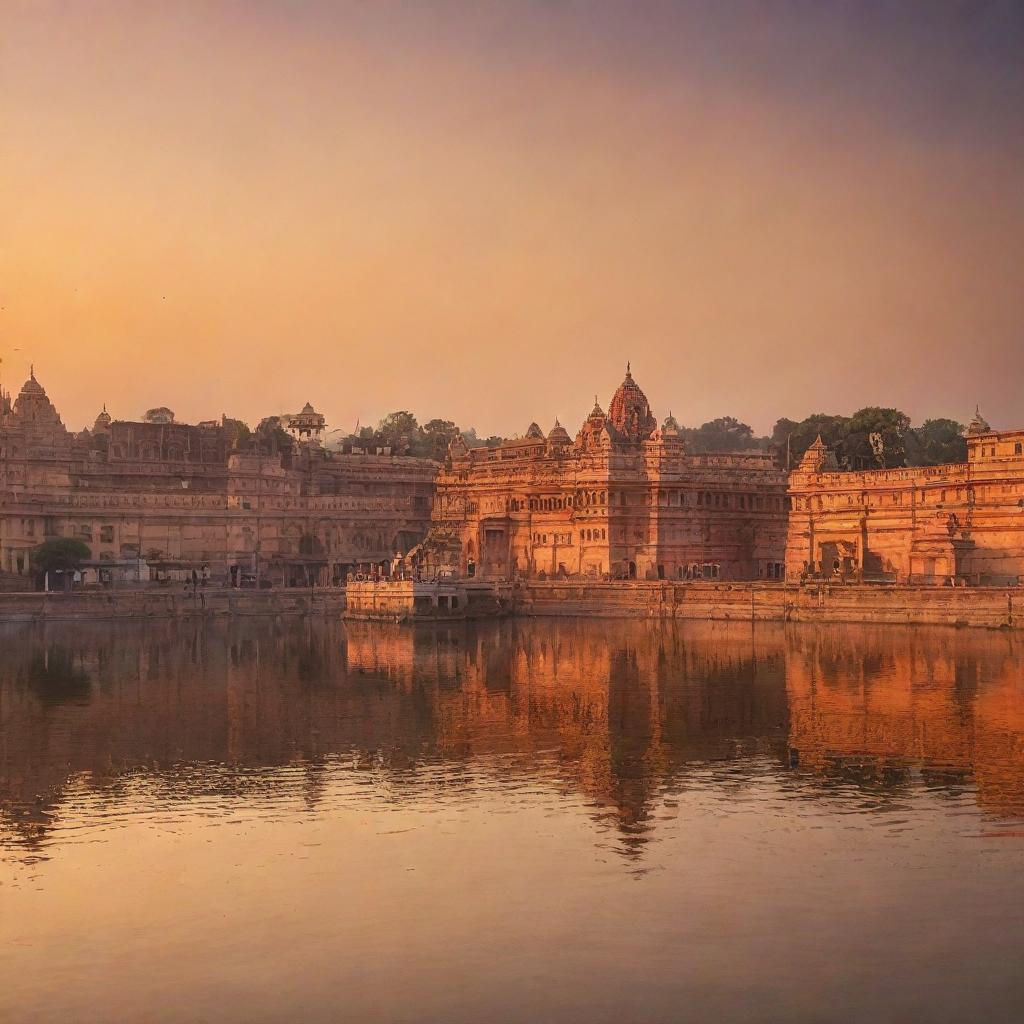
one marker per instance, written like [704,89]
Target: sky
[480,211]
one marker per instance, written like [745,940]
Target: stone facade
[163,498]
[934,524]
[624,499]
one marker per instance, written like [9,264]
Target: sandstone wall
[994,607]
[162,603]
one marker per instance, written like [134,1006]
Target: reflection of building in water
[626,706]
[876,703]
[612,712]
[617,712]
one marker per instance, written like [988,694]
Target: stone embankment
[165,603]
[990,607]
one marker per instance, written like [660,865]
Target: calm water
[526,821]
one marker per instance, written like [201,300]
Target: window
[1018,448]
[106,535]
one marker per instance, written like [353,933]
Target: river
[517,821]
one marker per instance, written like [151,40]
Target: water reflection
[620,716]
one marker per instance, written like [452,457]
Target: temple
[155,500]
[624,499]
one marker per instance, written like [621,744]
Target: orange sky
[480,212]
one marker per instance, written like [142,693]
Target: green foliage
[238,433]
[433,438]
[474,441]
[888,427]
[270,438]
[794,438]
[63,554]
[402,433]
[725,434]
[397,431]
[873,438]
[936,443]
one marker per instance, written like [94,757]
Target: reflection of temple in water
[625,706]
[615,713]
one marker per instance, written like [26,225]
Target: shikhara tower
[624,499]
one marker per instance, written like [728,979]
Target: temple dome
[32,388]
[533,431]
[102,421]
[559,435]
[630,412]
[979,425]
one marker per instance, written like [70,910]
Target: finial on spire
[627,367]
[32,371]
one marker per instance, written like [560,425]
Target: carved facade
[623,499]
[161,498]
[931,524]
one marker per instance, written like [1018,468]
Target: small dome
[534,431]
[670,428]
[102,424]
[559,435]
[308,410]
[32,387]
[979,425]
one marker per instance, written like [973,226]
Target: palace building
[155,499]
[931,524]
[159,499]
[624,499]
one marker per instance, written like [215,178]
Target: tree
[795,438]
[63,554]
[238,433]
[397,431]
[876,438]
[270,438]
[433,438]
[936,443]
[473,440]
[725,434]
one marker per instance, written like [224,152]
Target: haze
[481,211]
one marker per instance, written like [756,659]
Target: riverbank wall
[160,603]
[988,607]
